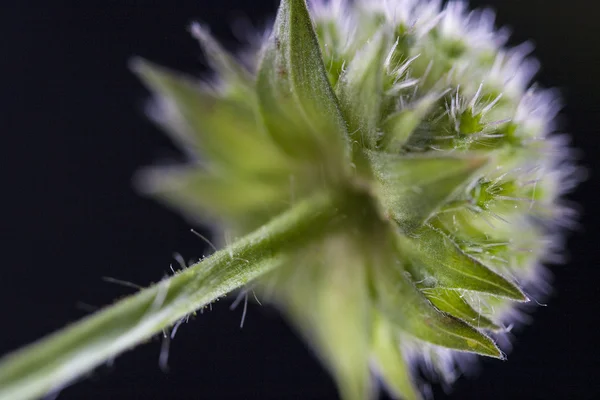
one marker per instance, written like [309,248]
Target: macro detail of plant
[393,179]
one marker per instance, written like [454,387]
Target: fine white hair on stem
[180,261]
[121,282]
[176,327]
[204,239]
[163,358]
[242,295]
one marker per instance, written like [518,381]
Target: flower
[425,125]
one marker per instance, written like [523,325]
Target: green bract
[391,173]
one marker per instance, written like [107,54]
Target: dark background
[73,133]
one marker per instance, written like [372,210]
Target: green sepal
[451,302]
[390,363]
[296,100]
[404,306]
[412,188]
[328,299]
[360,90]
[200,194]
[435,260]
[226,131]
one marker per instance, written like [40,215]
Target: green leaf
[200,194]
[361,87]
[407,308]
[297,102]
[412,188]
[451,302]
[437,261]
[390,362]
[225,130]
[326,295]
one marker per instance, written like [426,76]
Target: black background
[73,133]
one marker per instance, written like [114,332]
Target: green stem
[66,355]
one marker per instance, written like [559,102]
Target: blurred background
[74,132]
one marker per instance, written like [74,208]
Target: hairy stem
[66,355]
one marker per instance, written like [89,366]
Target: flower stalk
[71,353]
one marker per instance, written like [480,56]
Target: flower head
[425,124]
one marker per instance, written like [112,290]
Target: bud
[427,125]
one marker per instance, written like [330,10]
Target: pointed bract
[213,196]
[451,302]
[390,363]
[437,261]
[408,309]
[399,126]
[224,130]
[230,70]
[360,90]
[331,307]
[297,102]
[412,188]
